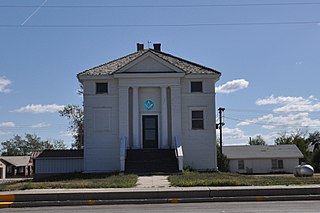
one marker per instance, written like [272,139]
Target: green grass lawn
[188,179]
[75,181]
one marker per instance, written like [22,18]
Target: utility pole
[220,125]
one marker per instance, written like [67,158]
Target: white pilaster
[176,112]
[164,118]
[135,118]
[123,112]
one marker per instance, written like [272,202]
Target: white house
[262,159]
[147,103]
[12,166]
[2,170]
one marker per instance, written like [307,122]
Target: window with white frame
[196,86]
[197,119]
[102,88]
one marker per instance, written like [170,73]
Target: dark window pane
[240,164]
[274,163]
[197,114]
[101,88]
[280,164]
[197,124]
[150,134]
[150,122]
[196,86]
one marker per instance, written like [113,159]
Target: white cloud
[4,83]
[235,133]
[281,100]
[7,124]
[289,121]
[38,108]
[65,134]
[40,125]
[4,133]
[232,86]
[298,108]
[291,104]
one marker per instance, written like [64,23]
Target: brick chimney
[140,46]
[157,47]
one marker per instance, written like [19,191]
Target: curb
[184,195]
[158,201]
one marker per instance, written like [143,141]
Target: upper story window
[197,119]
[101,88]
[196,86]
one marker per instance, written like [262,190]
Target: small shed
[54,162]
[262,159]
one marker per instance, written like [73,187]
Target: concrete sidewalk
[153,181]
[155,189]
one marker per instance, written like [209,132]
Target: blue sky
[267,51]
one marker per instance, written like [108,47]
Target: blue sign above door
[148,105]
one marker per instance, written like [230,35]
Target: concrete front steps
[151,161]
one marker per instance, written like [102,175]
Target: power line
[166,6]
[158,25]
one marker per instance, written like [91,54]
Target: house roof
[262,152]
[61,154]
[16,160]
[114,66]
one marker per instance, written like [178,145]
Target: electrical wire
[167,6]
[158,25]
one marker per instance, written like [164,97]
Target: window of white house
[196,86]
[21,169]
[197,119]
[240,164]
[277,164]
[101,88]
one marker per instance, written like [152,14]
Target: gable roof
[114,66]
[49,153]
[16,160]
[262,152]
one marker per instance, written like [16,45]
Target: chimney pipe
[140,46]
[157,47]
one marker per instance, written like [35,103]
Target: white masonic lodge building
[149,111]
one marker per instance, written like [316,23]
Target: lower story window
[197,119]
[277,164]
[240,164]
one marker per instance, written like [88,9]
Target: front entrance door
[150,131]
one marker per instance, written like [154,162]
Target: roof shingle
[112,67]
[259,152]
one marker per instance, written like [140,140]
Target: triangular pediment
[149,63]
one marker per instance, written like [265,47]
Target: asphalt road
[242,207]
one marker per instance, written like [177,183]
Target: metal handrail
[123,153]
[179,152]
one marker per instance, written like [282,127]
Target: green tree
[59,144]
[18,146]
[258,140]
[298,138]
[223,162]
[314,141]
[314,138]
[75,116]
